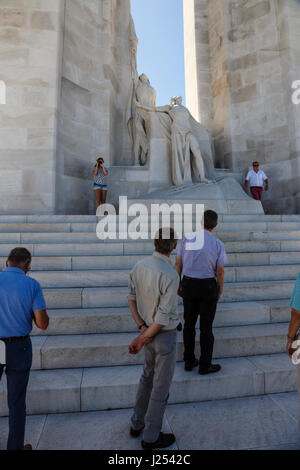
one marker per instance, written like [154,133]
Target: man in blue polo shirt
[21,301]
[202,269]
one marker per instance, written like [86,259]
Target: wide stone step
[260,217]
[117,296]
[96,350]
[256,226]
[75,390]
[81,237]
[82,279]
[41,219]
[119,319]
[238,377]
[123,227]
[46,219]
[264,290]
[107,262]
[120,277]
[145,248]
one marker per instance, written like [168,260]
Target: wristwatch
[143,324]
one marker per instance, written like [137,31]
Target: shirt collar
[163,257]
[13,270]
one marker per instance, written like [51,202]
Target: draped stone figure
[133,45]
[142,92]
[134,121]
[188,162]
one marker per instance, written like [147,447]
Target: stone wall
[94,92]
[254,58]
[66,66]
[30,35]
[289,41]
[197,60]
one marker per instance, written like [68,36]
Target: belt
[199,279]
[13,339]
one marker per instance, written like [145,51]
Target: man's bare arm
[95,171]
[220,278]
[134,312]
[41,319]
[145,338]
[149,334]
[266,184]
[293,329]
[294,323]
[178,265]
[178,269]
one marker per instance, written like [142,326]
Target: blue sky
[159,27]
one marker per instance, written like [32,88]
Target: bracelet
[141,326]
[292,339]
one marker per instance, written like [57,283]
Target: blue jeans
[17,369]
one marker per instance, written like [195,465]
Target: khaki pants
[153,391]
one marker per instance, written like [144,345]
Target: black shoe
[212,369]
[189,365]
[164,440]
[135,433]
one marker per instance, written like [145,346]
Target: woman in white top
[100,182]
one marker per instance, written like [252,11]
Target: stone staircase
[81,363]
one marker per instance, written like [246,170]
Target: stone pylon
[66,67]
[242,58]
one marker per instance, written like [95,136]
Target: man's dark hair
[255,163]
[210,220]
[19,256]
[165,240]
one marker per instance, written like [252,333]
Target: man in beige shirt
[153,303]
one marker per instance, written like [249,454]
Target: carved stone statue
[133,44]
[188,162]
[144,95]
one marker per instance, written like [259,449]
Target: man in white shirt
[257,178]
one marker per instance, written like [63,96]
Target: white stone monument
[187,161]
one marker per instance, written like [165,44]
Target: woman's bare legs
[102,200]
[97,193]
[103,194]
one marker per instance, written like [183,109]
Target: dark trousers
[17,369]
[200,297]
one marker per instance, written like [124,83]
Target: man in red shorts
[257,178]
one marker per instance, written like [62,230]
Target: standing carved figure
[142,94]
[140,91]
[187,159]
